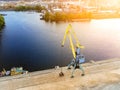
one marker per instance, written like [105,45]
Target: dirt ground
[101,75]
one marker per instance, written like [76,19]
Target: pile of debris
[13,71]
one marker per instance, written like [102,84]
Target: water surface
[35,44]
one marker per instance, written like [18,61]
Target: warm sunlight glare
[107,24]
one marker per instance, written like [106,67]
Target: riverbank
[101,75]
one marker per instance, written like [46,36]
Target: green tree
[47,16]
[37,8]
[2,22]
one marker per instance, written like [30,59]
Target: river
[35,44]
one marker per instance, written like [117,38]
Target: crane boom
[69,31]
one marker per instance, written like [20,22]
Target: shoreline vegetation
[37,8]
[77,17]
[2,22]
[63,16]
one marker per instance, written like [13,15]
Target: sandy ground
[101,75]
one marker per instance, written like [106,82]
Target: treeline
[62,16]
[2,22]
[37,8]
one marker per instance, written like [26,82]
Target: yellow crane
[78,58]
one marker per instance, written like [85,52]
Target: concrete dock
[100,75]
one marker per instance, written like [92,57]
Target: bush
[47,16]
[2,22]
